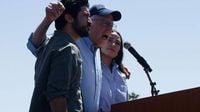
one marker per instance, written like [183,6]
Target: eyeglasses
[105,22]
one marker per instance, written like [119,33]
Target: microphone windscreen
[127,45]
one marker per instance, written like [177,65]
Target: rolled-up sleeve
[34,50]
[60,74]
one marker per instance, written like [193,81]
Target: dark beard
[82,31]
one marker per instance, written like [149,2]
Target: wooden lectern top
[180,101]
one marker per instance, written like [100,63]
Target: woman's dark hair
[72,7]
[119,57]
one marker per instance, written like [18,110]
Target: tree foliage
[132,96]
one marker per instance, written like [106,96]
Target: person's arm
[53,11]
[38,38]
[35,50]
[59,105]
[39,35]
[59,79]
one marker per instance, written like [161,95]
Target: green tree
[132,96]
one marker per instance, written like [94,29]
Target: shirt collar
[63,34]
[89,43]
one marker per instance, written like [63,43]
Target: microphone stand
[148,69]
[144,64]
[154,91]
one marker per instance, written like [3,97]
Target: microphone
[139,58]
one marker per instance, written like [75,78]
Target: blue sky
[165,33]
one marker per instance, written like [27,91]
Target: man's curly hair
[72,7]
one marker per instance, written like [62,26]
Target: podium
[180,101]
